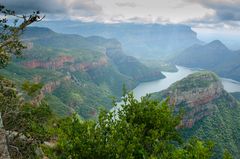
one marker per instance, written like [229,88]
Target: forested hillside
[79,74]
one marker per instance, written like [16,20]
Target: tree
[12,26]
[145,129]
[25,123]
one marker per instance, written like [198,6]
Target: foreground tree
[145,129]
[25,124]
[12,26]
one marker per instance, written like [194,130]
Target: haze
[211,19]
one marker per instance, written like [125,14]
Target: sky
[205,16]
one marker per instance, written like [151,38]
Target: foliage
[222,127]
[10,43]
[145,129]
[196,149]
[227,155]
[27,125]
[31,88]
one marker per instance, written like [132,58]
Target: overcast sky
[203,15]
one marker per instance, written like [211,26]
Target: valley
[95,79]
[79,73]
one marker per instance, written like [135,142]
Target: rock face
[49,88]
[54,63]
[4,154]
[65,62]
[85,66]
[209,112]
[194,94]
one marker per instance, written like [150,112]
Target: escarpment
[65,62]
[196,95]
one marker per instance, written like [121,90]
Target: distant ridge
[214,56]
[139,40]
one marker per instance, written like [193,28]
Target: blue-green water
[158,85]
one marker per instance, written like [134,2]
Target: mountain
[210,113]
[214,56]
[79,73]
[139,40]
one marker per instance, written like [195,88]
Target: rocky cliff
[4,154]
[65,62]
[196,95]
[49,88]
[210,113]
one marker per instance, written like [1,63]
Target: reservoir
[158,85]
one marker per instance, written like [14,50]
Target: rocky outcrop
[194,94]
[51,64]
[60,62]
[4,154]
[49,88]
[85,66]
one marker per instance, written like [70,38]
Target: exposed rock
[49,88]
[60,61]
[195,94]
[51,64]
[85,66]
[4,154]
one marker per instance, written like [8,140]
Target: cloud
[61,7]
[226,10]
[212,22]
[126,4]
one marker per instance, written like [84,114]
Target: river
[158,85]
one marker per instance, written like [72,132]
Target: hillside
[78,73]
[210,113]
[214,56]
[139,40]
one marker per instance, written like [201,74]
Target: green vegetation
[222,127]
[210,57]
[212,113]
[159,64]
[27,124]
[10,43]
[145,129]
[138,71]
[138,129]
[86,80]
[200,79]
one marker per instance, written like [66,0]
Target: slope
[77,73]
[140,40]
[210,113]
[214,56]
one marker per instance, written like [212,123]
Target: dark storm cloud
[126,4]
[81,7]
[227,10]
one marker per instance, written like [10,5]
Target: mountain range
[139,40]
[214,56]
